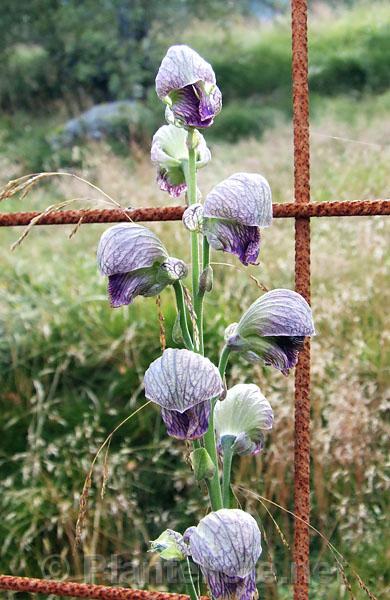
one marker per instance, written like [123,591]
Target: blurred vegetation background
[77,94]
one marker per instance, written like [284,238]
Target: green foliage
[243,119]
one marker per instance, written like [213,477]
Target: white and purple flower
[242,417]
[170,154]
[136,263]
[182,383]
[273,329]
[187,84]
[233,212]
[227,545]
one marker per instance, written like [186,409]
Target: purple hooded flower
[136,262]
[242,417]
[227,545]
[186,82]
[233,212]
[182,383]
[170,154]
[273,329]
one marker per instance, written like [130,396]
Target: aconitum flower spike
[273,329]
[226,545]
[182,383]
[136,263]
[233,212]
[186,82]
[242,417]
[170,154]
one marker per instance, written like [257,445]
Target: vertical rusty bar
[302,285]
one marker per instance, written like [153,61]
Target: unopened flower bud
[206,280]
[170,545]
[202,464]
[193,218]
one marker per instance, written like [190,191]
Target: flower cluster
[191,392]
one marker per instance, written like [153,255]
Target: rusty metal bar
[81,590]
[302,285]
[353,208]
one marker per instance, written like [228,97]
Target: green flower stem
[187,575]
[210,443]
[227,448]
[223,360]
[190,175]
[181,307]
[213,484]
[200,296]
[206,253]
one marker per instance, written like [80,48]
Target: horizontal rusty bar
[353,208]
[81,590]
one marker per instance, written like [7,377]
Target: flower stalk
[228,452]
[181,309]
[190,173]
[184,384]
[187,576]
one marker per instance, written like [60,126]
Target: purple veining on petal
[242,417]
[283,351]
[180,379]
[174,189]
[192,105]
[181,67]
[277,313]
[126,247]
[241,240]
[193,217]
[227,541]
[244,198]
[189,425]
[124,287]
[243,445]
[223,587]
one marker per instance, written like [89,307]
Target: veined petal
[172,181]
[244,198]
[224,587]
[127,247]
[192,106]
[243,414]
[229,236]
[277,313]
[182,67]
[170,153]
[227,541]
[169,146]
[189,425]
[180,379]
[193,217]
[172,269]
[280,352]
[124,287]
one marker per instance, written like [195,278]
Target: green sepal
[202,464]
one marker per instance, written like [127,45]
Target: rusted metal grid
[301,210]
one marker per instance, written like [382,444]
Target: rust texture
[302,285]
[81,590]
[352,208]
